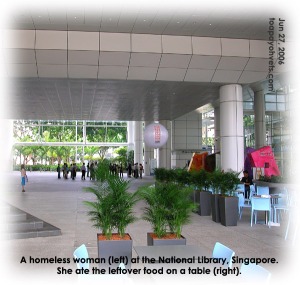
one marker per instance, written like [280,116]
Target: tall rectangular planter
[121,249]
[164,241]
[204,203]
[215,212]
[228,210]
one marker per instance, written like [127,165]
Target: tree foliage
[64,131]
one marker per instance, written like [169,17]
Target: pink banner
[264,157]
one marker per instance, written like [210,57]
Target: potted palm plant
[202,195]
[228,202]
[112,212]
[168,208]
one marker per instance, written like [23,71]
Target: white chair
[82,255]
[242,204]
[222,251]
[282,205]
[254,272]
[262,190]
[260,204]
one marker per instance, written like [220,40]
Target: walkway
[60,203]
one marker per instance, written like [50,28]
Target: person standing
[88,169]
[23,177]
[121,170]
[136,170]
[92,171]
[247,182]
[141,170]
[83,170]
[58,171]
[129,170]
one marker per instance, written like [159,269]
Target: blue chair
[81,252]
[240,187]
[262,190]
[260,204]
[242,204]
[251,193]
[253,272]
[282,205]
[222,251]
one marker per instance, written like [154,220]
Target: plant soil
[115,237]
[167,236]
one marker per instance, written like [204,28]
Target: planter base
[228,210]
[164,241]
[215,208]
[118,249]
[204,203]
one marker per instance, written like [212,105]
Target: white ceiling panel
[83,41]
[259,49]
[112,72]
[204,62]
[19,39]
[19,56]
[175,60]
[51,40]
[257,64]
[51,57]
[171,74]
[226,76]
[21,70]
[146,43]
[58,17]
[83,57]
[142,73]
[145,59]
[232,63]
[114,58]
[206,46]
[199,75]
[176,44]
[75,16]
[82,71]
[53,71]
[131,92]
[115,42]
[41,16]
[235,47]
[251,76]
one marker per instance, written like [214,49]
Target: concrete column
[138,142]
[231,127]
[164,153]
[148,155]
[259,119]
[217,128]
[130,135]
[217,148]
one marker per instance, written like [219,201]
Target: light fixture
[155,135]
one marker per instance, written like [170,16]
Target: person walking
[23,177]
[83,170]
